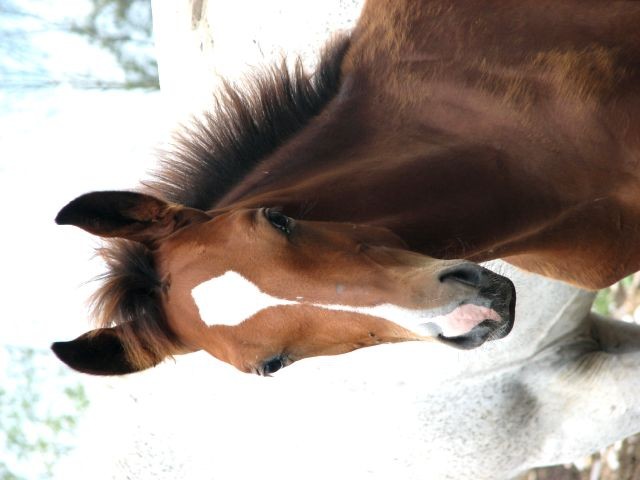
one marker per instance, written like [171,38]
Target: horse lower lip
[476,337]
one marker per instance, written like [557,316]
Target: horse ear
[130,215]
[97,352]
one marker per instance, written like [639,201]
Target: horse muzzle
[488,316]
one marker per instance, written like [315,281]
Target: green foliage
[36,39]
[37,417]
[603,301]
[123,28]
[610,300]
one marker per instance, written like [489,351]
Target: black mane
[218,150]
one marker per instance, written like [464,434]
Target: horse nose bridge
[468,274]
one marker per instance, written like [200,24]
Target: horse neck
[367,159]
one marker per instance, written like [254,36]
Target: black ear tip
[74,211]
[97,211]
[56,347]
[99,352]
[80,208]
[62,351]
[64,218]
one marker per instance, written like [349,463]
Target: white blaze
[231,299]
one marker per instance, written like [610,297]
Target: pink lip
[463,319]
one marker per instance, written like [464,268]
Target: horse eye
[272,366]
[278,220]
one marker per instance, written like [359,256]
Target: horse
[434,130]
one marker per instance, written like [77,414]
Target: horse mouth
[489,317]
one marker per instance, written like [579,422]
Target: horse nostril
[466,273]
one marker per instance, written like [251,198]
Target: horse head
[260,290]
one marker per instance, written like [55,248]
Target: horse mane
[218,150]
[208,158]
[129,297]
